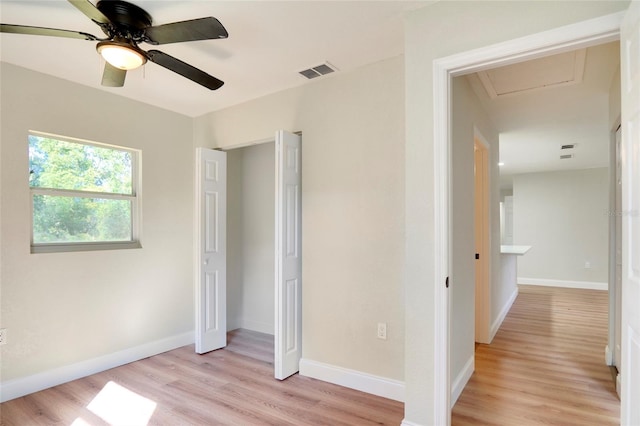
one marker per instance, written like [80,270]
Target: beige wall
[614,101]
[563,216]
[64,308]
[438,30]
[352,216]
[251,238]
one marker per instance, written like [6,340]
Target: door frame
[278,325]
[615,241]
[587,33]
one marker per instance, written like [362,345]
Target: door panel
[630,94]
[211,258]
[288,268]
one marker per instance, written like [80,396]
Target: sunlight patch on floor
[118,405]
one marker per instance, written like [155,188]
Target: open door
[211,252]
[288,259]
[630,92]
[481,238]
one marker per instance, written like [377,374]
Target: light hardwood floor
[232,386]
[545,366]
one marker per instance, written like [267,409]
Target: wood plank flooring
[231,386]
[545,366]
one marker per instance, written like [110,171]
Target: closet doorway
[248,207]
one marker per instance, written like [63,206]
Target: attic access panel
[551,71]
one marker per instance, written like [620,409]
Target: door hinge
[446,282]
[477,256]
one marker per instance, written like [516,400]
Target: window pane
[75,166]
[59,219]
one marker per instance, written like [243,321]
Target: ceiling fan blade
[195,29]
[112,76]
[184,69]
[92,12]
[53,32]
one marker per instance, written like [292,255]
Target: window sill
[71,247]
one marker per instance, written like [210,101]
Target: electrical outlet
[3,336]
[382,330]
[587,265]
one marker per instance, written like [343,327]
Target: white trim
[16,388]
[364,382]
[260,327]
[503,314]
[608,356]
[442,236]
[408,423]
[462,379]
[579,35]
[246,144]
[586,285]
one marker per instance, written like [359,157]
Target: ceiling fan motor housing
[128,19]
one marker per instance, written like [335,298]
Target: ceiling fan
[126,25]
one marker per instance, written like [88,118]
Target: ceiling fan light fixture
[122,55]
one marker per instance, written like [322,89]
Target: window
[84,195]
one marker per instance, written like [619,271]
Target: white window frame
[134,198]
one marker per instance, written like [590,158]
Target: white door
[211,252]
[630,88]
[288,265]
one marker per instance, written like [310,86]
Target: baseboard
[233,324]
[461,380]
[503,314]
[408,423]
[16,388]
[376,385]
[586,285]
[608,356]
[261,327]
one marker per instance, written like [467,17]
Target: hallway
[545,365]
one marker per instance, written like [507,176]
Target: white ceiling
[534,124]
[269,42]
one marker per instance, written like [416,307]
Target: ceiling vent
[566,156]
[568,146]
[318,70]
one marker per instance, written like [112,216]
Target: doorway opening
[595,32]
[265,223]
[251,250]
[560,203]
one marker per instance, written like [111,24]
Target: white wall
[65,308]
[467,113]
[352,207]
[563,216]
[250,234]
[438,30]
